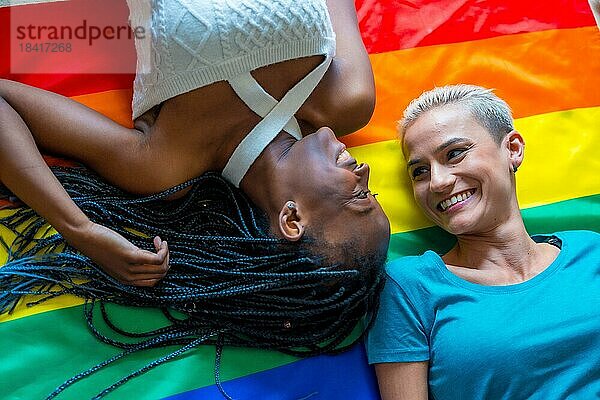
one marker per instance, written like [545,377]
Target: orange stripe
[115,104]
[535,73]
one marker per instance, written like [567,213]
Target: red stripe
[4,41]
[65,84]
[393,25]
[386,26]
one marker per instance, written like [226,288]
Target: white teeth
[444,205]
[344,155]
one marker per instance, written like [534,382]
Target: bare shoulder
[344,100]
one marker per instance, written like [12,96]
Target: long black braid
[234,283]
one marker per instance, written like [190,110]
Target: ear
[290,223]
[515,144]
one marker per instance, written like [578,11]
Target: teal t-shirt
[539,339]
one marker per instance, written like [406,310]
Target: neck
[506,248]
[260,183]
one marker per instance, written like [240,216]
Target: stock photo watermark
[78,36]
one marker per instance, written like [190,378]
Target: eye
[418,172]
[363,194]
[455,153]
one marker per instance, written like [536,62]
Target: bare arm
[63,127]
[26,174]
[402,381]
[345,99]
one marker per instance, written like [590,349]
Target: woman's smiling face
[461,177]
[332,193]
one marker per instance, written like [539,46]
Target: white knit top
[194,43]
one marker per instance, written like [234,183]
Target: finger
[142,277]
[148,257]
[164,249]
[131,277]
[168,260]
[139,269]
[157,242]
[163,254]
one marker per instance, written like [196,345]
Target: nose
[363,172]
[441,179]
[326,134]
[326,140]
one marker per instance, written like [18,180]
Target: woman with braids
[238,88]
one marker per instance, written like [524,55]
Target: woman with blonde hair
[501,315]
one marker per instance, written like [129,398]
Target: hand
[119,258]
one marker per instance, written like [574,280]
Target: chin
[456,231]
[457,227]
[461,223]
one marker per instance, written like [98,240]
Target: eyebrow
[364,209]
[413,162]
[450,142]
[441,147]
[367,210]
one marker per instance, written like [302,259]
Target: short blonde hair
[491,111]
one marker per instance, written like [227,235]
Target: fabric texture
[539,339]
[523,49]
[196,43]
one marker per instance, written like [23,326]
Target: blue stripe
[344,376]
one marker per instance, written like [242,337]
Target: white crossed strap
[277,116]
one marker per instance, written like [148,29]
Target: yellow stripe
[561,162]
[22,310]
[57,303]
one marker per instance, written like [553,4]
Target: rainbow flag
[542,57]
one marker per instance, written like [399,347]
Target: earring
[514,169]
[290,205]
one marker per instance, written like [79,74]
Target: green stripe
[40,339]
[580,213]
